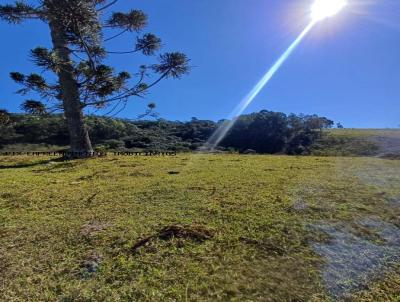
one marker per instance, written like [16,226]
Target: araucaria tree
[79,30]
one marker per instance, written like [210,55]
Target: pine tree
[77,29]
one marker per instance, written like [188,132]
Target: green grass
[68,228]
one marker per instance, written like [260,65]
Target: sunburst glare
[322,9]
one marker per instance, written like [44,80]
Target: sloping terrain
[360,142]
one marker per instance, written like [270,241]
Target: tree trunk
[79,137]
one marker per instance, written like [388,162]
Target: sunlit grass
[68,228]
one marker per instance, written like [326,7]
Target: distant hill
[383,143]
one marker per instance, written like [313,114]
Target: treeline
[262,132]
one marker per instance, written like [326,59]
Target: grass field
[200,228]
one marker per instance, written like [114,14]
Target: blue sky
[347,68]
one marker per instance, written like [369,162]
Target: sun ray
[321,9]
[222,131]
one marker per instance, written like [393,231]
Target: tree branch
[117,35]
[129,93]
[19,11]
[122,52]
[123,107]
[107,5]
[115,107]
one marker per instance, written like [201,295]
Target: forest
[265,132]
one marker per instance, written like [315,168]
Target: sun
[322,9]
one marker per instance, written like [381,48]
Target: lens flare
[322,9]
[224,128]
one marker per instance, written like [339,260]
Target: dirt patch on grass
[196,233]
[92,228]
[90,265]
